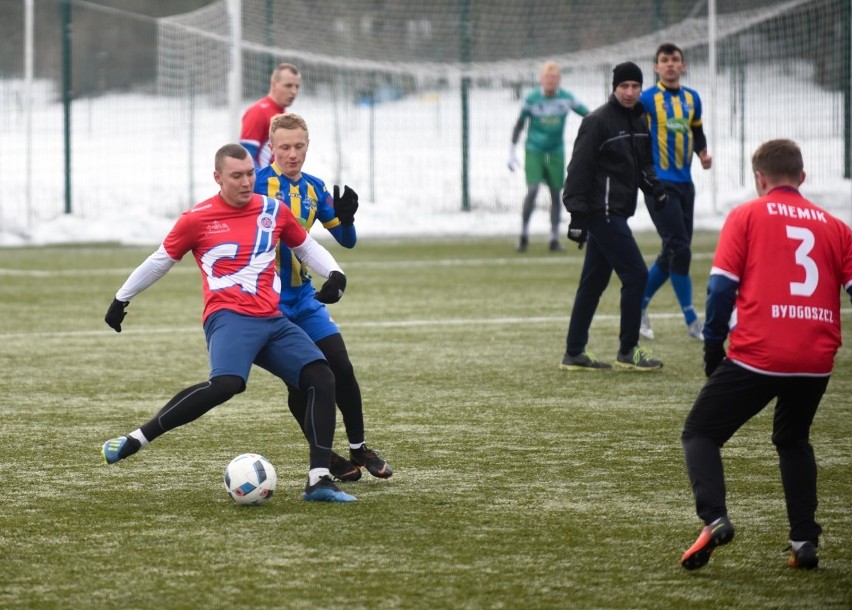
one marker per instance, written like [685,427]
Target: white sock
[137,434]
[357,445]
[798,544]
[314,475]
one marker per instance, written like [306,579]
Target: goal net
[411,103]
[414,102]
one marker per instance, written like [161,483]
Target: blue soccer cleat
[112,449]
[325,490]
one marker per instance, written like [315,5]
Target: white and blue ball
[250,479]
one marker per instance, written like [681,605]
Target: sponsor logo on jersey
[216,227]
[678,125]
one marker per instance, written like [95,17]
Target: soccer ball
[250,479]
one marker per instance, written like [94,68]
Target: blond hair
[550,66]
[286,121]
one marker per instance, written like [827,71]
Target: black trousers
[611,246]
[732,396]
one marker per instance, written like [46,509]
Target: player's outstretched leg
[716,534]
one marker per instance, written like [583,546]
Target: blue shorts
[310,315]
[236,341]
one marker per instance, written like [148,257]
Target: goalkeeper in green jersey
[547,109]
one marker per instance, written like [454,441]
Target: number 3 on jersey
[806,288]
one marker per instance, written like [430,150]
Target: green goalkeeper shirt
[547,117]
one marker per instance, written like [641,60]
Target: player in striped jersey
[773,293]
[233,237]
[307,197]
[674,119]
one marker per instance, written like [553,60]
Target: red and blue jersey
[309,201]
[235,250]
[254,131]
[787,258]
[672,115]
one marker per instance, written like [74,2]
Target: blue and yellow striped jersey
[671,117]
[309,201]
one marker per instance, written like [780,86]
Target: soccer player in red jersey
[284,84]
[773,293]
[233,237]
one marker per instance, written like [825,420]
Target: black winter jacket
[612,158]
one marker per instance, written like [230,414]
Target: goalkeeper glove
[115,314]
[714,353]
[513,162]
[661,198]
[332,290]
[345,205]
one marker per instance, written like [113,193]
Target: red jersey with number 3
[235,250]
[790,258]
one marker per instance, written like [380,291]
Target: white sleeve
[315,256]
[152,268]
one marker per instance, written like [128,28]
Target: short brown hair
[778,160]
[234,151]
[286,121]
[283,67]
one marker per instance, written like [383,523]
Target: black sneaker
[342,469]
[372,461]
[639,359]
[555,246]
[805,557]
[523,243]
[583,362]
[716,534]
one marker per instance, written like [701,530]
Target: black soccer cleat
[364,457]
[805,557]
[342,469]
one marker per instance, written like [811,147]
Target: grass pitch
[517,485]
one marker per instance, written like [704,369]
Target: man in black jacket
[612,159]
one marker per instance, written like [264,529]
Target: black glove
[714,353]
[345,206]
[332,290]
[661,198]
[115,314]
[577,230]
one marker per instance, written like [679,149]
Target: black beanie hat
[626,71]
